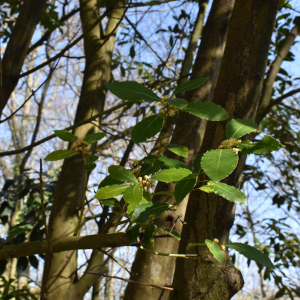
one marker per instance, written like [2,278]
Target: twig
[132,281]
[193,256]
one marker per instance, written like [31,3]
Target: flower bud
[140,179]
[146,177]
[216,241]
[222,247]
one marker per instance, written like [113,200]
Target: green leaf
[110,191]
[197,165]
[65,135]
[59,154]
[237,128]
[148,211]
[15,232]
[218,164]
[132,233]
[190,85]
[170,175]
[266,145]
[226,191]
[214,248]
[145,199]
[191,245]
[147,128]
[134,194]
[177,102]
[179,150]
[169,193]
[78,159]
[184,187]
[173,163]
[34,261]
[122,174]
[93,158]
[207,111]
[110,202]
[108,180]
[132,91]
[94,137]
[89,167]
[174,233]
[251,253]
[151,166]
[148,235]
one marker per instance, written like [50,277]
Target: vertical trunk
[238,90]
[60,273]
[159,270]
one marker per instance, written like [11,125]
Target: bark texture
[238,90]
[18,45]
[155,269]
[60,274]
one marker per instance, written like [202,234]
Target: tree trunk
[238,90]
[155,269]
[59,274]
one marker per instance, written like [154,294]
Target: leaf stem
[191,256]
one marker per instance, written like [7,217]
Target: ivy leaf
[132,233]
[148,211]
[122,174]
[214,248]
[226,191]
[218,164]
[179,150]
[174,233]
[237,128]
[110,191]
[266,145]
[94,137]
[15,232]
[59,154]
[134,194]
[207,111]
[132,91]
[190,85]
[148,235]
[251,253]
[170,175]
[147,128]
[110,202]
[177,102]
[184,187]
[65,135]
[108,180]
[89,167]
[197,164]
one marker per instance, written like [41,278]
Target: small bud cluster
[167,109]
[146,182]
[81,147]
[216,241]
[135,167]
[222,247]
[230,144]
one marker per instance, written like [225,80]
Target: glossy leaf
[226,191]
[132,91]
[148,235]
[110,191]
[89,167]
[214,248]
[174,233]
[147,128]
[251,253]
[110,202]
[151,166]
[108,180]
[266,145]
[65,135]
[179,150]
[177,102]
[173,163]
[134,194]
[184,187]
[170,175]
[94,137]
[122,174]
[148,211]
[132,233]
[15,232]
[197,165]
[219,163]
[145,199]
[59,154]
[169,193]
[93,158]
[236,128]
[207,111]
[190,85]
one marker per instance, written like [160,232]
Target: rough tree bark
[238,90]
[159,270]
[60,272]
